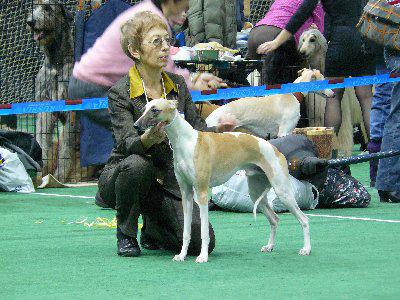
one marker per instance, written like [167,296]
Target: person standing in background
[277,63]
[105,63]
[345,56]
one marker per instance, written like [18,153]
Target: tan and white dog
[208,159]
[273,116]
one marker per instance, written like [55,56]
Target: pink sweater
[106,63]
[281,11]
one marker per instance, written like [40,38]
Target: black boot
[386,196]
[148,243]
[145,240]
[127,246]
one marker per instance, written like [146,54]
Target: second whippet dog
[207,159]
[273,116]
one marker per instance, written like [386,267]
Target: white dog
[275,115]
[207,159]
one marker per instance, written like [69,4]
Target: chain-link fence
[258,9]
[20,57]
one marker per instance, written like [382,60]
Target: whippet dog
[208,159]
[274,115]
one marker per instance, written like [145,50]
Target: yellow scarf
[136,86]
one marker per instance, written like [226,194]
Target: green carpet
[42,256]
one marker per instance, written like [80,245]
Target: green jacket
[212,21]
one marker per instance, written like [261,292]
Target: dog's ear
[300,72]
[173,104]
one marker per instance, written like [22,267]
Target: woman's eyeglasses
[158,41]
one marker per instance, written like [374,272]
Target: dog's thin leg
[187,203]
[288,199]
[273,221]
[257,184]
[205,233]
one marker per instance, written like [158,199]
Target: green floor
[42,256]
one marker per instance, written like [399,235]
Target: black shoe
[148,243]
[386,196]
[100,201]
[128,247]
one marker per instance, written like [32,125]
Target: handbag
[13,176]
[380,22]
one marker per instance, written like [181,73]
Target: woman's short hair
[134,29]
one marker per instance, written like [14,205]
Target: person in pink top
[277,64]
[105,63]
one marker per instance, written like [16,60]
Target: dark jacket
[125,111]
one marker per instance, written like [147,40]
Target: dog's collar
[320,94]
[299,96]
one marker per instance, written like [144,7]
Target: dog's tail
[258,202]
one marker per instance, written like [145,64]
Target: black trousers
[281,65]
[131,187]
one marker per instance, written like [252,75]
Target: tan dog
[207,159]
[313,46]
[275,115]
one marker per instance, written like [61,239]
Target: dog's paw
[267,248]
[179,257]
[305,251]
[202,259]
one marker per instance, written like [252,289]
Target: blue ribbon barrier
[202,96]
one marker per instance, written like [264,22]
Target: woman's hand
[268,47]
[207,81]
[282,37]
[154,135]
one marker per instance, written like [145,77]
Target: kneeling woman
[139,174]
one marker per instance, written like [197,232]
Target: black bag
[342,190]
[27,148]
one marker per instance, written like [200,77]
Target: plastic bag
[13,176]
[234,195]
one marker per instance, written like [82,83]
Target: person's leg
[388,177]
[380,106]
[333,111]
[380,109]
[364,96]
[127,185]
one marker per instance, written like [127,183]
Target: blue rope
[198,96]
